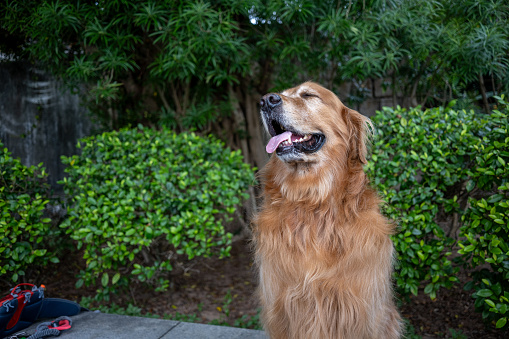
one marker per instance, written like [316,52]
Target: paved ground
[96,325]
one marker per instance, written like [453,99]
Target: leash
[46,329]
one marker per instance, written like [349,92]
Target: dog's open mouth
[284,140]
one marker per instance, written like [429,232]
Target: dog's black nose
[270,101]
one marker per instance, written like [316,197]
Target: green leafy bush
[485,233]
[418,165]
[24,232]
[139,196]
[440,169]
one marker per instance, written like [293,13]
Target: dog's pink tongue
[276,140]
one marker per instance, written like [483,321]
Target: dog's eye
[306,95]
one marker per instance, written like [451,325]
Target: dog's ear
[358,130]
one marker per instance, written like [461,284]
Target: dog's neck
[340,187]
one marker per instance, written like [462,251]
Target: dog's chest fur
[315,256]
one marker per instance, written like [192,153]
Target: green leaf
[105,279]
[501,322]
[470,185]
[115,278]
[484,293]
[79,283]
[469,248]
[40,253]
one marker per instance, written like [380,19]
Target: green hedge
[26,236]
[417,158]
[139,196]
[438,169]
[485,231]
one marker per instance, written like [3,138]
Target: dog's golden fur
[322,247]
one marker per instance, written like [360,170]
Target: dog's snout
[271,100]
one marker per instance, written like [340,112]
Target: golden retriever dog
[322,247]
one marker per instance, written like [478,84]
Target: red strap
[17,314]
[22,284]
[62,325]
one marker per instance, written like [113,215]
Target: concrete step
[97,325]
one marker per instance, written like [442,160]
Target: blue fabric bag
[26,304]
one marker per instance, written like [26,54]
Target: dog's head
[309,125]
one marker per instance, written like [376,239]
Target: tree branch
[483,93]
[349,7]
[178,106]
[163,98]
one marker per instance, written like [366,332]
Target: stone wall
[39,120]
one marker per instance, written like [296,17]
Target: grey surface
[88,325]
[199,331]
